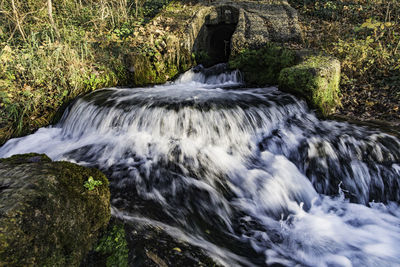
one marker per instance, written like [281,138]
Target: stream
[250,175]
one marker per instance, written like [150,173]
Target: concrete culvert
[219,44]
[213,42]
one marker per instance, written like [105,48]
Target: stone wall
[185,35]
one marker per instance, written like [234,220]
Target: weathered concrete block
[316,79]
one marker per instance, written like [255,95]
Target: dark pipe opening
[219,41]
[213,42]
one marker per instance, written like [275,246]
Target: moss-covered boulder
[316,79]
[50,212]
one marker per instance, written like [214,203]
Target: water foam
[248,171]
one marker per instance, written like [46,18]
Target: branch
[50,12]
[17,20]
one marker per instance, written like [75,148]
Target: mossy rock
[47,216]
[151,245]
[262,66]
[148,70]
[317,80]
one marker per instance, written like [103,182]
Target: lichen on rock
[317,80]
[47,216]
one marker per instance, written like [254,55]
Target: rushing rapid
[250,175]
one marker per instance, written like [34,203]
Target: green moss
[202,57]
[114,247]
[143,70]
[47,217]
[317,80]
[262,66]
[26,158]
[172,71]
[153,68]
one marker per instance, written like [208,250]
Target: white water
[248,171]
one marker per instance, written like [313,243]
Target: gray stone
[256,24]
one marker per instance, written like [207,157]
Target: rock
[139,243]
[152,246]
[242,25]
[264,22]
[49,216]
[256,24]
[316,79]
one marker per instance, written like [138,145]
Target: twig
[387,12]
[50,12]
[17,20]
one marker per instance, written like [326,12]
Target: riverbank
[365,37]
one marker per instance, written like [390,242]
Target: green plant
[113,245]
[91,184]
[202,57]
[262,66]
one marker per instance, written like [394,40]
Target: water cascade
[250,175]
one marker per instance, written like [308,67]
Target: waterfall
[248,174]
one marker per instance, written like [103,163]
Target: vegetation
[365,36]
[113,246]
[51,52]
[262,66]
[54,50]
[91,183]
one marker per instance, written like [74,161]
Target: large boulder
[316,79]
[50,212]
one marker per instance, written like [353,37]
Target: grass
[43,67]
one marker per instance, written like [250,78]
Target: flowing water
[250,175]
